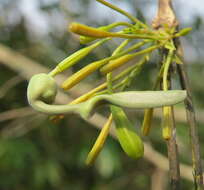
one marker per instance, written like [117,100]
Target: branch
[190,114]
[16,113]
[4,89]
[174,168]
[158,179]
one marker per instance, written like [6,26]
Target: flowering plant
[139,40]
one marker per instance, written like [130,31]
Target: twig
[190,114]
[16,113]
[132,18]
[158,179]
[172,147]
[20,126]
[8,85]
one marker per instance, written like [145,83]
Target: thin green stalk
[159,77]
[121,46]
[166,69]
[132,70]
[115,24]
[135,20]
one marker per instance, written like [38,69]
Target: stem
[174,169]
[166,70]
[115,24]
[135,20]
[172,147]
[190,114]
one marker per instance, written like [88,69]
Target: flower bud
[183,32]
[167,122]
[75,58]
[146,125]
[130,142]
[83,73]
[114,64]
[84,30]
[99,143]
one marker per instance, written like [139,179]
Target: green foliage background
[37,154]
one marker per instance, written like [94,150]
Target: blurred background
[38,154]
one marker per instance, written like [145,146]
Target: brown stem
[190,114]
[174,169]
[165,15]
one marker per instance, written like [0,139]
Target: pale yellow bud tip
[73,27]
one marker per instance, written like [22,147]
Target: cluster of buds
[139,40]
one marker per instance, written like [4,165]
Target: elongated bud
[125,58]
[183,32]
[86,39]
[83,73]
[167,122]
[130,142]
[75,58]
[42,90]
[114,64]
[98,145]
[147,121]
[84,30]
[117,62]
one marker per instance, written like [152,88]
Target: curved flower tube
[42,91]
